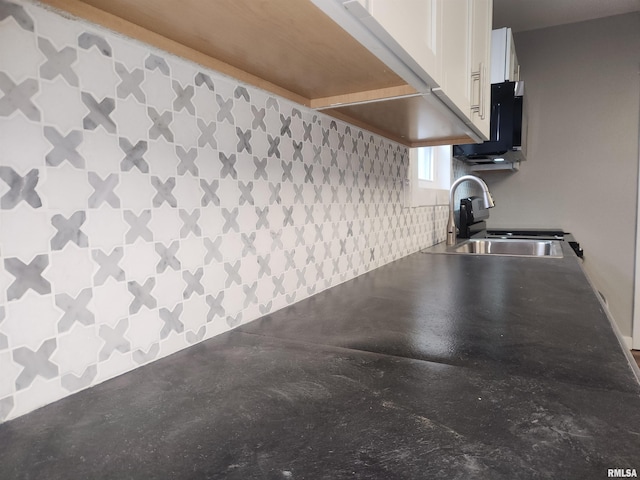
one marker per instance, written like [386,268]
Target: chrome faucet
[486,196]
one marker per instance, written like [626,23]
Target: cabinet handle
[480,77]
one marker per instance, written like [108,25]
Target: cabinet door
[513,67]
[455,55]
[480,46]
[409,28]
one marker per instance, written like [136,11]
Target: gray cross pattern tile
[27,276]
[241,92]
[334,158]
[233,274]
[209,192]
[272,103]
[258,118]
[234,321]
[319,272]
[278,285]
[266,308]
[4,342]
[248,243]
[207,134]
[250,296]
[88,40]
[142,295]
[133,155]
[230,220]
[274,189]
[193,283]
[317,154]
[75,310]
[168,256]
[325,138]
[99,113]
[103,190]
[289,259]
[287,171]
[161,124]
[297,151]
[35,363]
[276,240]
[18,97]
[69,230]
[195,337]
[224,113]
[244,140]
[308,214]
[140,356]
[288,216]
[58,62]
[213,250]
[326,175]
[299,232]
[20,188]
[7,403]
[22,18]
[317,194]
[190,223]
[73,383]
[285,126]
[114,339]
[204,79]
[138,226]
[263,265]
[302,282]
[154,62]
[228,165]
[261,168]
[184,98]
[327,213]
[319,235]
[187,161]
[334,195]
[298,190]
[108,265]
[130,83]
[64,147]
[171,319]
[274,143]
[164,192]
[262,221]
[215,306]
[246,195]
[306,136]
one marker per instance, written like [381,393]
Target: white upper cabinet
[445,43]
[504,61]
[409,28]
[480,27]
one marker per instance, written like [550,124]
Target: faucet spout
[486,196]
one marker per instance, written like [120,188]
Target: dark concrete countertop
[435,366]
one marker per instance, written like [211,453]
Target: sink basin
[500,246]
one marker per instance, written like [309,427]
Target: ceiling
[522,15]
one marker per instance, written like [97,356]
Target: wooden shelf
[288,47]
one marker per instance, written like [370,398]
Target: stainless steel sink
[500,246]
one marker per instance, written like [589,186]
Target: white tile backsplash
[147,203]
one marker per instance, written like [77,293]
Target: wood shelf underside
[259,42]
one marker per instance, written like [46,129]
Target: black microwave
[507,142]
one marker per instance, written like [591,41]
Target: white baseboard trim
[628,341]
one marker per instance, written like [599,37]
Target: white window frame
[421,192]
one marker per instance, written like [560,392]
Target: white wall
[583,92]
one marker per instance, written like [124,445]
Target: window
[429,176]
